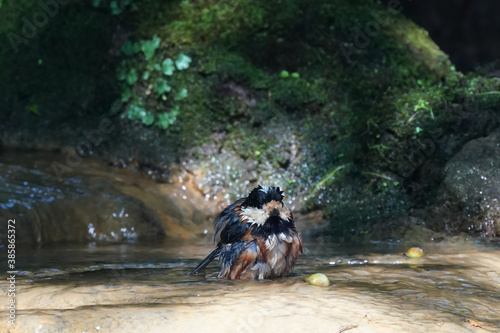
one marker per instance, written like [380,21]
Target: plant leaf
[181,94]
[115,9]
[165,120]
[132,76]
[136,111]
[168,66]
[130,48]
[161,86]
[149,46]
[33,108]
[182,62]
[148,119]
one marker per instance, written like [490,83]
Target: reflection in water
[145,287]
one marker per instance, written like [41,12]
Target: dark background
[468,31]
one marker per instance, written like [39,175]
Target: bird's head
[264,204]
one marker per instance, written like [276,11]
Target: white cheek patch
[259,216]
[254,215]
[285,213]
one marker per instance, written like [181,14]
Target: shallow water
[95,202]
[144,287]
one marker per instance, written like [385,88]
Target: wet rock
[76,209]
[471,186]
[229,167]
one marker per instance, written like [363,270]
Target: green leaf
[130,48]
[145,75]
[166,119]
[33,108]
[96,3]
[132,76]
[181,94]
[168,66]
[421,104]
[149,46]
[295,75]
[175,111]
[182,62]
[284,74]
[115,9]
[136,111]
[148,119]
[161,86]
[418,130]
[163,120]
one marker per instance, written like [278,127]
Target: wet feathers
[258,238]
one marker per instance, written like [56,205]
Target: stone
[472,182]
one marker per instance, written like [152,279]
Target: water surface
[144,287]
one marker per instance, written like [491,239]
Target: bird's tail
[206,261]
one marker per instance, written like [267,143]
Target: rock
[472,185]
[76,209]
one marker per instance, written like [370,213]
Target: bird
[258,237]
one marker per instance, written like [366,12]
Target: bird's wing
[229,221]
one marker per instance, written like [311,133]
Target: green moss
[204,22]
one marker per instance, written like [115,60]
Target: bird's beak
[274,212]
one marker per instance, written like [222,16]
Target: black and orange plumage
[258,238]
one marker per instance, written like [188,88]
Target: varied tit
[259,239]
